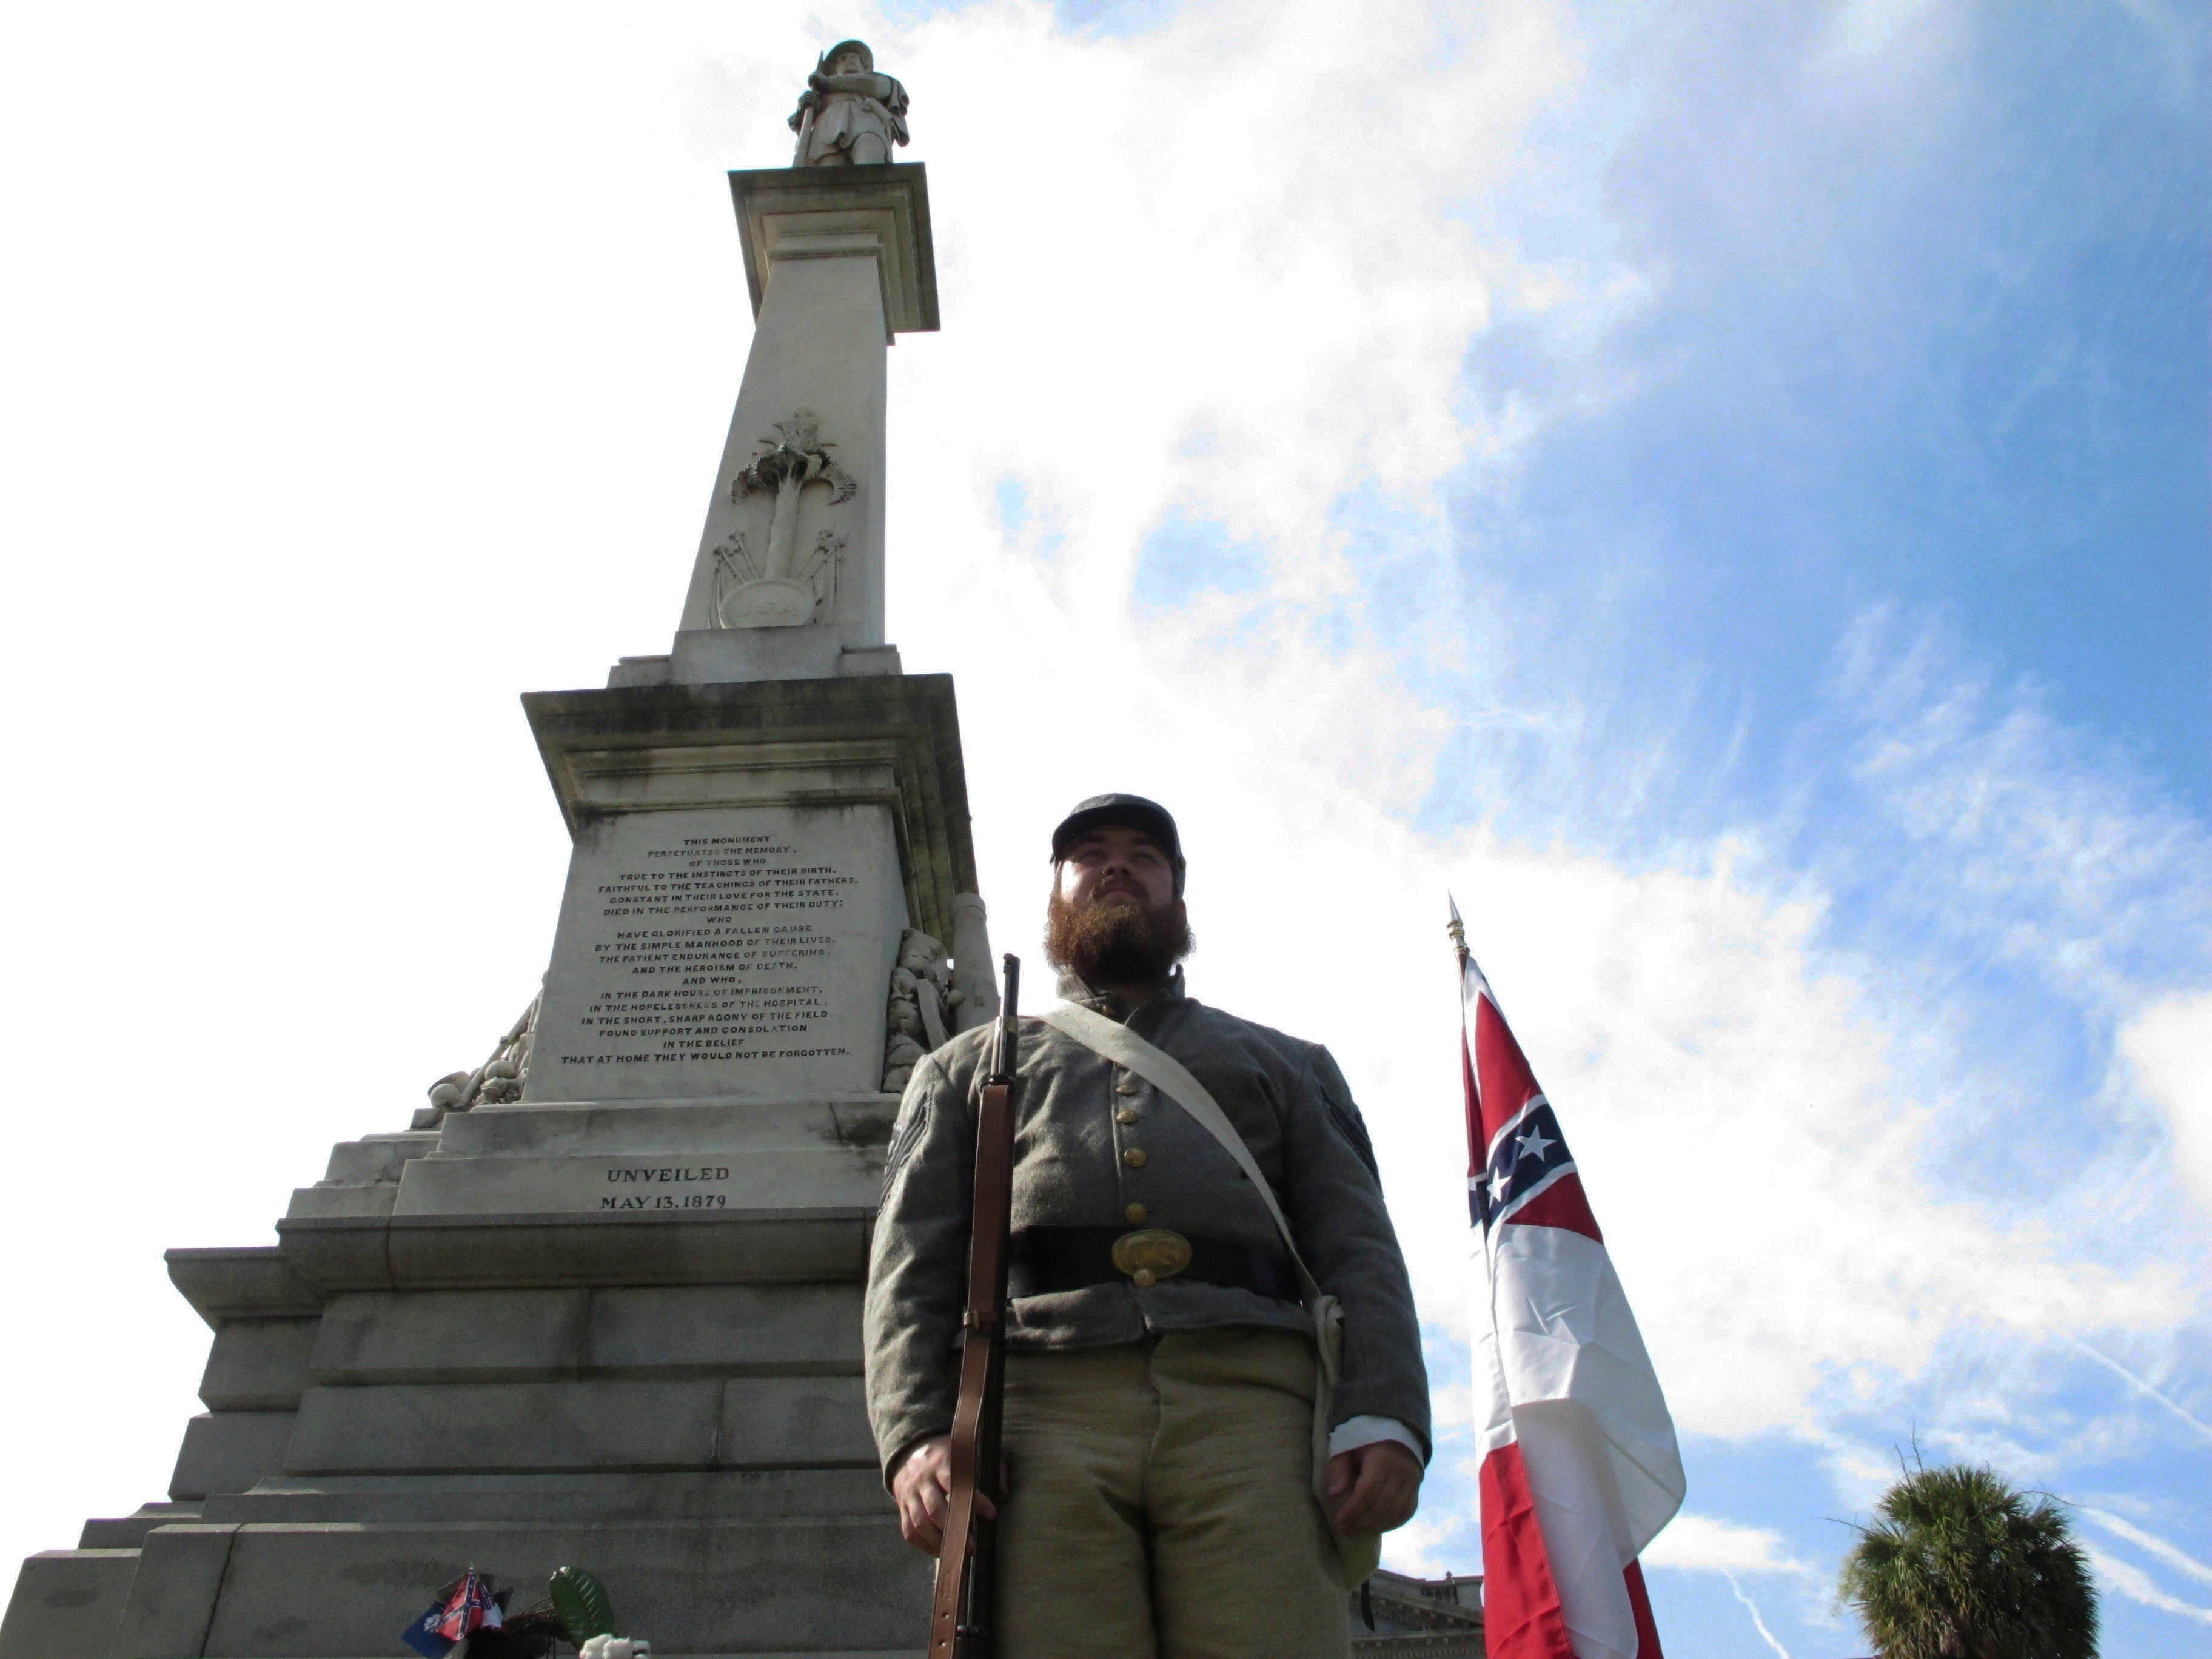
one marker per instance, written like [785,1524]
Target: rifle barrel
[1002,1060]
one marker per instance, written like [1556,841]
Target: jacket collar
[1074,990]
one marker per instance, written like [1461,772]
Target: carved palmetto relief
[778,585]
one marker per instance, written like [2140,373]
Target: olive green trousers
[1161,1505]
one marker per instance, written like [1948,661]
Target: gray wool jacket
[1071,1169]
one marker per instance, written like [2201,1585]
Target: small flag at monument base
[423,1635]
[463,1606]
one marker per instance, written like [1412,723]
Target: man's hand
[1383,1483]
[921,1485]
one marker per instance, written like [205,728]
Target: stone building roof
[1442,1618]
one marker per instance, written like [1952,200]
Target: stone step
[755,1495]
[544,1335]
[309,1591]
[703,1423]
[128,1532]
[377,1157]
[68,1604]
[259,1364]
[674,1247]
[241,1281]
[229,1451]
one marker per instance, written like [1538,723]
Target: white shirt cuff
[1356,1431]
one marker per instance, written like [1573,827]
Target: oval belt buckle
[1150,1254]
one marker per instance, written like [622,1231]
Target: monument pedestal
[615,1323]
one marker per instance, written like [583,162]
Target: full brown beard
[1115,941]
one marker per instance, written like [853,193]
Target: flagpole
[1456,930]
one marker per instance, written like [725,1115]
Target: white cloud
[2126,1579]
[1758,1619]
[1428,1547]
[2151,1543]
[2169,1045]
[1704,1543]
[2179,1412]
[1861,29]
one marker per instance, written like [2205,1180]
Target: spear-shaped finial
[1455,929]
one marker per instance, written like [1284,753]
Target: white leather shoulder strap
[1118,1043]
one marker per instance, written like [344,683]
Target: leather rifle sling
[981,1365]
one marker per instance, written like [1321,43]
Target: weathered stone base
[303,1590]
[672,1400]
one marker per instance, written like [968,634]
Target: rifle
[803,123]
[960,1616]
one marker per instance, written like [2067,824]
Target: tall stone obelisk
[601,1305]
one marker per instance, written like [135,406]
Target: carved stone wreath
[780,586]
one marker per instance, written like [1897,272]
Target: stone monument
[599,1305]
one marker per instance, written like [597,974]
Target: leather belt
[1050,1259]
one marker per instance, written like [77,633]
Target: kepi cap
[1133,810]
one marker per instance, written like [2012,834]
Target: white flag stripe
[1579,1518]
[1565,1334]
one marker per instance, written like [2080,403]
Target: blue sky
[1939,344]
[1723,488]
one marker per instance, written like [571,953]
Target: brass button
[1145,1278]
[1134,1157]
[1126,1086]
[1128,1114]
[1136,1213]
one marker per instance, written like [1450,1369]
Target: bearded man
[1159,1424]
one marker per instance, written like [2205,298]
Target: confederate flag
[1579,1466]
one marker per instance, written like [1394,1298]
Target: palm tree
[1961,1566]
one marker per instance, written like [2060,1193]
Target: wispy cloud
[1702,1543]
[1758,1619]
[2132,1581]
[1864,27]
[2149,1543]
[2024,839]
[2140,1386]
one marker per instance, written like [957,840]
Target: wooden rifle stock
[961,1615]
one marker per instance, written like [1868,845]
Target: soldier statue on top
[1171,1490]
[848,115]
